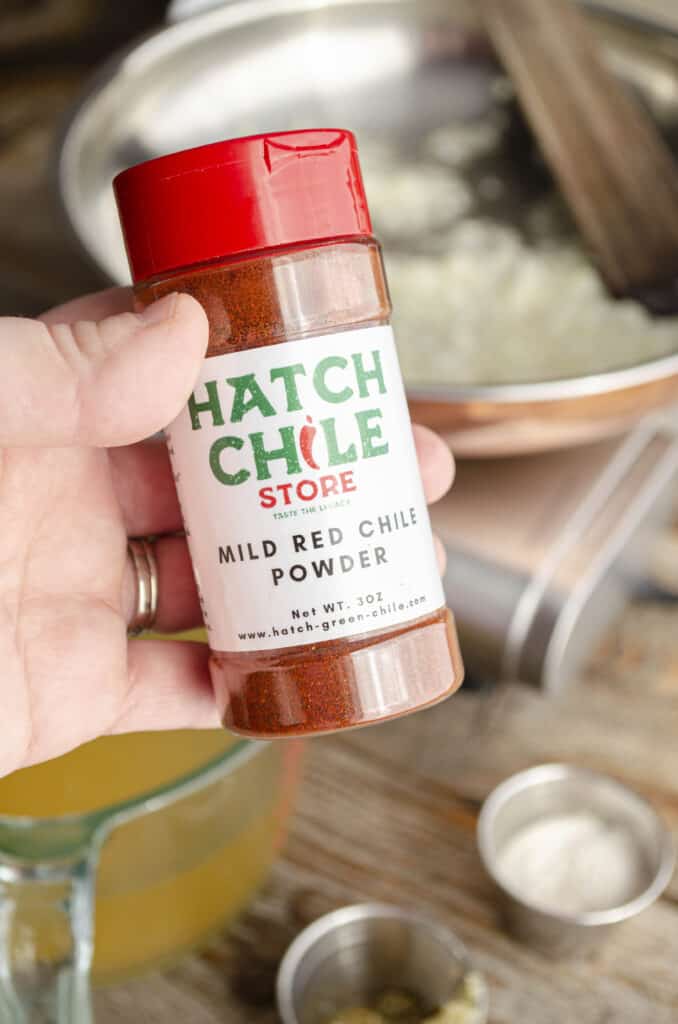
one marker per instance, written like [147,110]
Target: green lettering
[368,433]
[288,374]
[248,396]
[219,446]
[363,376]
[336,457]
[212,405]
[288,452]
[320,384]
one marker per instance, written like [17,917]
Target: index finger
[73,379]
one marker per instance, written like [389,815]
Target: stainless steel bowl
[394,71]
[554,789]
[347,956]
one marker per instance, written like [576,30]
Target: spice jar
[294,459]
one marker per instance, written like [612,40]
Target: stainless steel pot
[391,70]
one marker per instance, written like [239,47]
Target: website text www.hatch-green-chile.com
[332,615]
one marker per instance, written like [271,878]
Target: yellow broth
[169,879]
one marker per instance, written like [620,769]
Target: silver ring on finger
[145,567]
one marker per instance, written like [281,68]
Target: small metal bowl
[554,789]
[345,957]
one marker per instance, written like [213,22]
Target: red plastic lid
[243,195]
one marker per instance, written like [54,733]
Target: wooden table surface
[387,813]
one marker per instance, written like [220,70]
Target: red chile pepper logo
[306,439]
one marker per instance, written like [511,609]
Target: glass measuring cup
[131,883]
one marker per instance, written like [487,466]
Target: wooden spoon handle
[617,174]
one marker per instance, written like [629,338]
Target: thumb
[99,384]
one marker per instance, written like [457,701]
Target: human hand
[79,391]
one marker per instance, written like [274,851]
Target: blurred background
[48,49]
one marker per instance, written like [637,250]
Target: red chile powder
[294,458]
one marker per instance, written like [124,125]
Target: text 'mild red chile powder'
[294,457]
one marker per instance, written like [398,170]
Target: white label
[301,495]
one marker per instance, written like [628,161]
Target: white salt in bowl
[573,854]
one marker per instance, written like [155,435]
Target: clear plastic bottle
[297,475]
